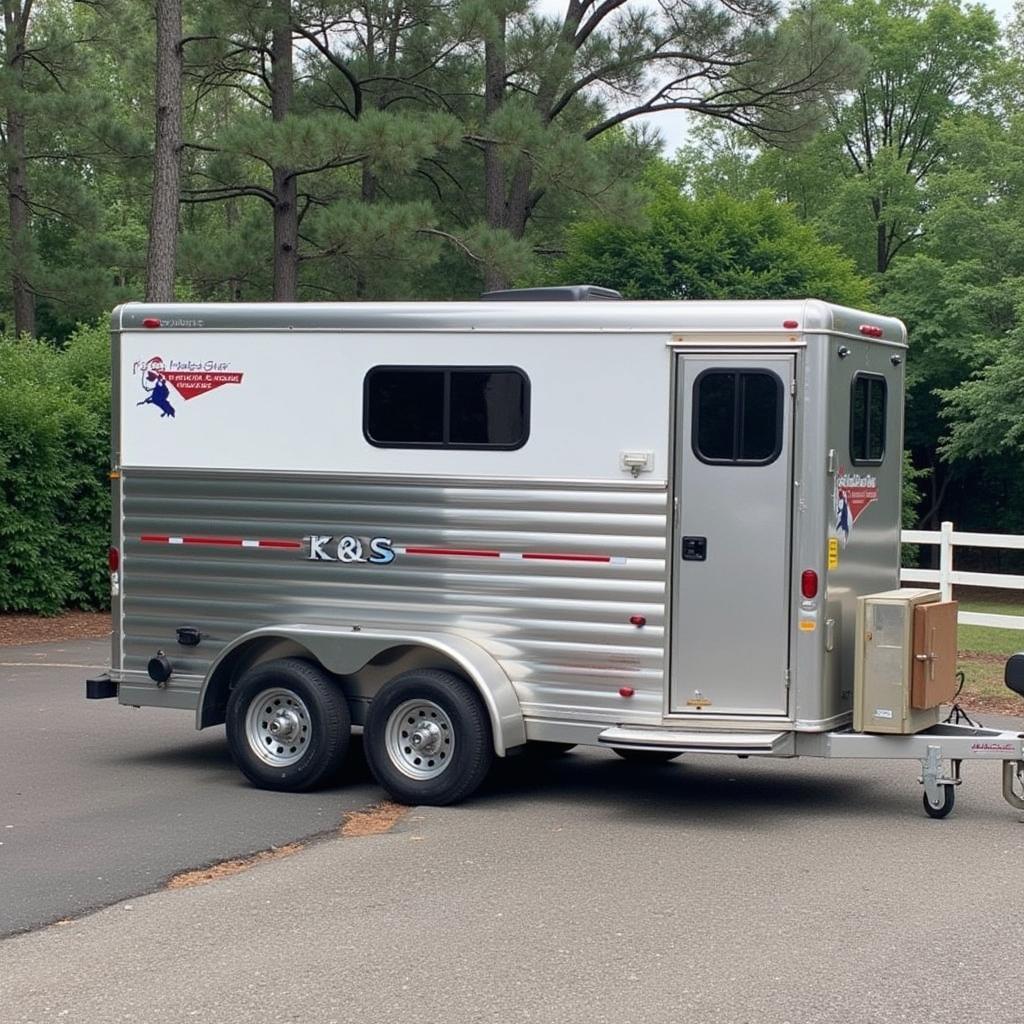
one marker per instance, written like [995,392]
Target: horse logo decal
[189,379]
[843,523]
[154,383]
[854,492]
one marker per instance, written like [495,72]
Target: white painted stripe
[510,554]
[175,540]
[250,543]
[51,664]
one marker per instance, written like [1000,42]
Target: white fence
[946,575]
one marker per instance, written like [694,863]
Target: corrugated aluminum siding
[560,629]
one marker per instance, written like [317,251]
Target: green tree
[72,159]
[962,295]
[865,178]
[717,248]
[553,85]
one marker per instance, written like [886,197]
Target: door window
[737,417]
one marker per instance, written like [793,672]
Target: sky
[672,125]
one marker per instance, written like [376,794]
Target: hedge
[54,465]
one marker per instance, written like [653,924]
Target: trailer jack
[939,790]
[1014,795]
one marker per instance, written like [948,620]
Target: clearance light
[809,583]
[637,620]
[113,559]
[626,691]
[151,321]
[790,325]
[870,330]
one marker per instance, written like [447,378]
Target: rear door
[731,604]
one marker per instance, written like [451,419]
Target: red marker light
[151,321]
[790,325]
[870,330]
[637,620]
[113,559]
[626,691]
[809,583]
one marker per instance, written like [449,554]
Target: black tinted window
[446,407]
[867,418]
[716,415]
[405,405]
[737,416]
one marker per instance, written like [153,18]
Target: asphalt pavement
[585,889]
[101,802]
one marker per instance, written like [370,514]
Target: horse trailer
[470,529]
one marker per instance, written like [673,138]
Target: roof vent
[562,293]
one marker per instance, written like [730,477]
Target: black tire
[646,756]
[312,722]
[428,738]
[948,799]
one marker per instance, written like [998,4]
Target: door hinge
[792,387]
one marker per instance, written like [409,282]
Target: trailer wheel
[646,756]
[288,724]
[948,799]
[428,738]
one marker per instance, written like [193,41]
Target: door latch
[695,549]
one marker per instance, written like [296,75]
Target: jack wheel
[948,799]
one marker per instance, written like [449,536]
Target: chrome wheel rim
[420,739]
[278,727]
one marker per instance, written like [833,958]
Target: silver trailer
[470,529]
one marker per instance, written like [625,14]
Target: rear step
[779,744]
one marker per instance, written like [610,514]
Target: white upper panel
[293,401]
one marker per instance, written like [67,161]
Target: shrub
[54,461]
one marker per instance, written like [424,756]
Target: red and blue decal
[189,379]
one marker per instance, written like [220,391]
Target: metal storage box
[905,660]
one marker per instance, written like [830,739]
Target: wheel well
[359,686]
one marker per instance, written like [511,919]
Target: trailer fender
[344,651]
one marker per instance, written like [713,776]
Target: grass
[983,650]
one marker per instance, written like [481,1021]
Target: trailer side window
[446,407]
[737,417]
[867,418]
